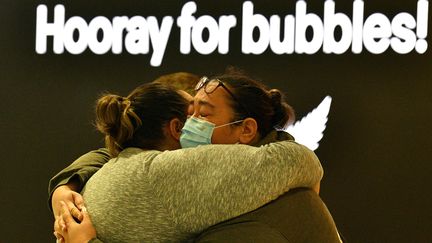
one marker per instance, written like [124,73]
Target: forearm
[77,174]
[220,182]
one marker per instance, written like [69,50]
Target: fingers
[62,224]
[85,215]
[74,210]
[59,237]
[78,200]
[57,227]
[57,230]
[66,217]
[76,213]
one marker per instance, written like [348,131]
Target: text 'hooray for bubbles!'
[138,35]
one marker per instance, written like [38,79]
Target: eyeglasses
[210,85]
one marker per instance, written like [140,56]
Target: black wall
[375,150]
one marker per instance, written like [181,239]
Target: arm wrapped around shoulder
[213,183]
[300,165]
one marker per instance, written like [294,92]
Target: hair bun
[109,109]
[276,97]
[283,113]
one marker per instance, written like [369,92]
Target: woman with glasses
[242,109]
[145,194]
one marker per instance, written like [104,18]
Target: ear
[175,126]
[249,131]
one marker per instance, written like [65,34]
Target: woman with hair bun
[155,192]
[138,119]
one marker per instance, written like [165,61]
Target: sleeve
[79,171]
[209,184]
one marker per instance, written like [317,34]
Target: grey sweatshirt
[154,196]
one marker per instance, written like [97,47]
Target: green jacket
[79,171]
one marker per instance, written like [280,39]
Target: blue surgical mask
[198,132]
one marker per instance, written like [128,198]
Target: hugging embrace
[191,159]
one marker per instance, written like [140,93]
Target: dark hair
[181,81]
[137,120]
[267,106]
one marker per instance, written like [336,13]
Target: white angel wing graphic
[309,130]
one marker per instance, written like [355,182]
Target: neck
[167,144]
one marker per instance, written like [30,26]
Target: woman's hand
[74,202]
[72,231]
